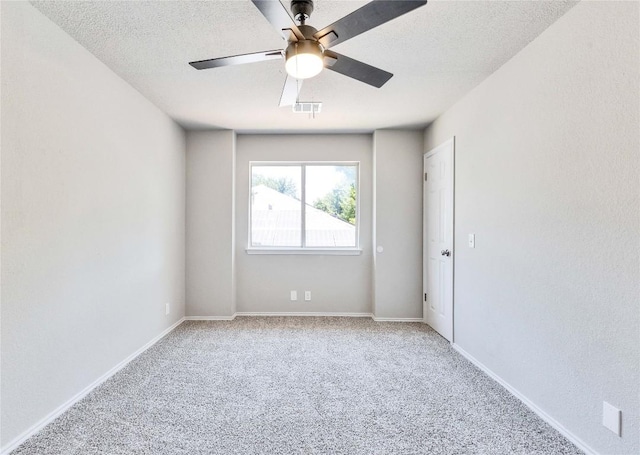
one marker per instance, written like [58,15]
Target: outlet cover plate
[307,296]
[294,295]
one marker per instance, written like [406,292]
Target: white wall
[398,224]
[210,223]
[340,284]
[547,153]
[93,219]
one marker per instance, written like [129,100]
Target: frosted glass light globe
[304,59]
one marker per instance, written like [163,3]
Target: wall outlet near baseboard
[294,295]
[307,296]
[611,417]
[167,309]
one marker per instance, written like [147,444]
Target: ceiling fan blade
[369,16]
[237,59]
[290,91]
[277,15]
[356,69]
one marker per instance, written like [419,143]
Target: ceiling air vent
[307,107]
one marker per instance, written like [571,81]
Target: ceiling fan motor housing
[308,32]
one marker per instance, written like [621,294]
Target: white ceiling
[437,53]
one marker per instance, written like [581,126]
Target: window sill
[312,251]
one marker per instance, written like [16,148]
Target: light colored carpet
[299,386]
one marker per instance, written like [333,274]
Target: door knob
[445,253]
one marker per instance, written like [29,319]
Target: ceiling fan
[307,51]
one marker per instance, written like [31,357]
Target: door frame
[449,144]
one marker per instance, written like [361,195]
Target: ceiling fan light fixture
[304,59]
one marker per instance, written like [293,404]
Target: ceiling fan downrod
[301,10]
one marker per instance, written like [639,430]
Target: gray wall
[547,178]
[210,223]
[92,213]
[398,224]
[337,283]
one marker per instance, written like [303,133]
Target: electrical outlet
[611,417]
[472,240]
[294,295]
[167,309]
[307,296]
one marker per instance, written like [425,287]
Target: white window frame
[347,250]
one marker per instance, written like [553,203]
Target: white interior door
[438,245]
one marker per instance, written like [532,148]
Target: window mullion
[303,233]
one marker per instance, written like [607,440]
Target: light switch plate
[611,417]
[472,240]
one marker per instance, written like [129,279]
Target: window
[306,206]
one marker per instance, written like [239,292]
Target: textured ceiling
[437,53]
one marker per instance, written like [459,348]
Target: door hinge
[425,176]
[425,296]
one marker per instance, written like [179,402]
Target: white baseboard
[321,313]
[12,445]
[377,319]
[299,313]
[528,403]
[211,318]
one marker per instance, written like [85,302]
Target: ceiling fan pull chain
[297,80]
